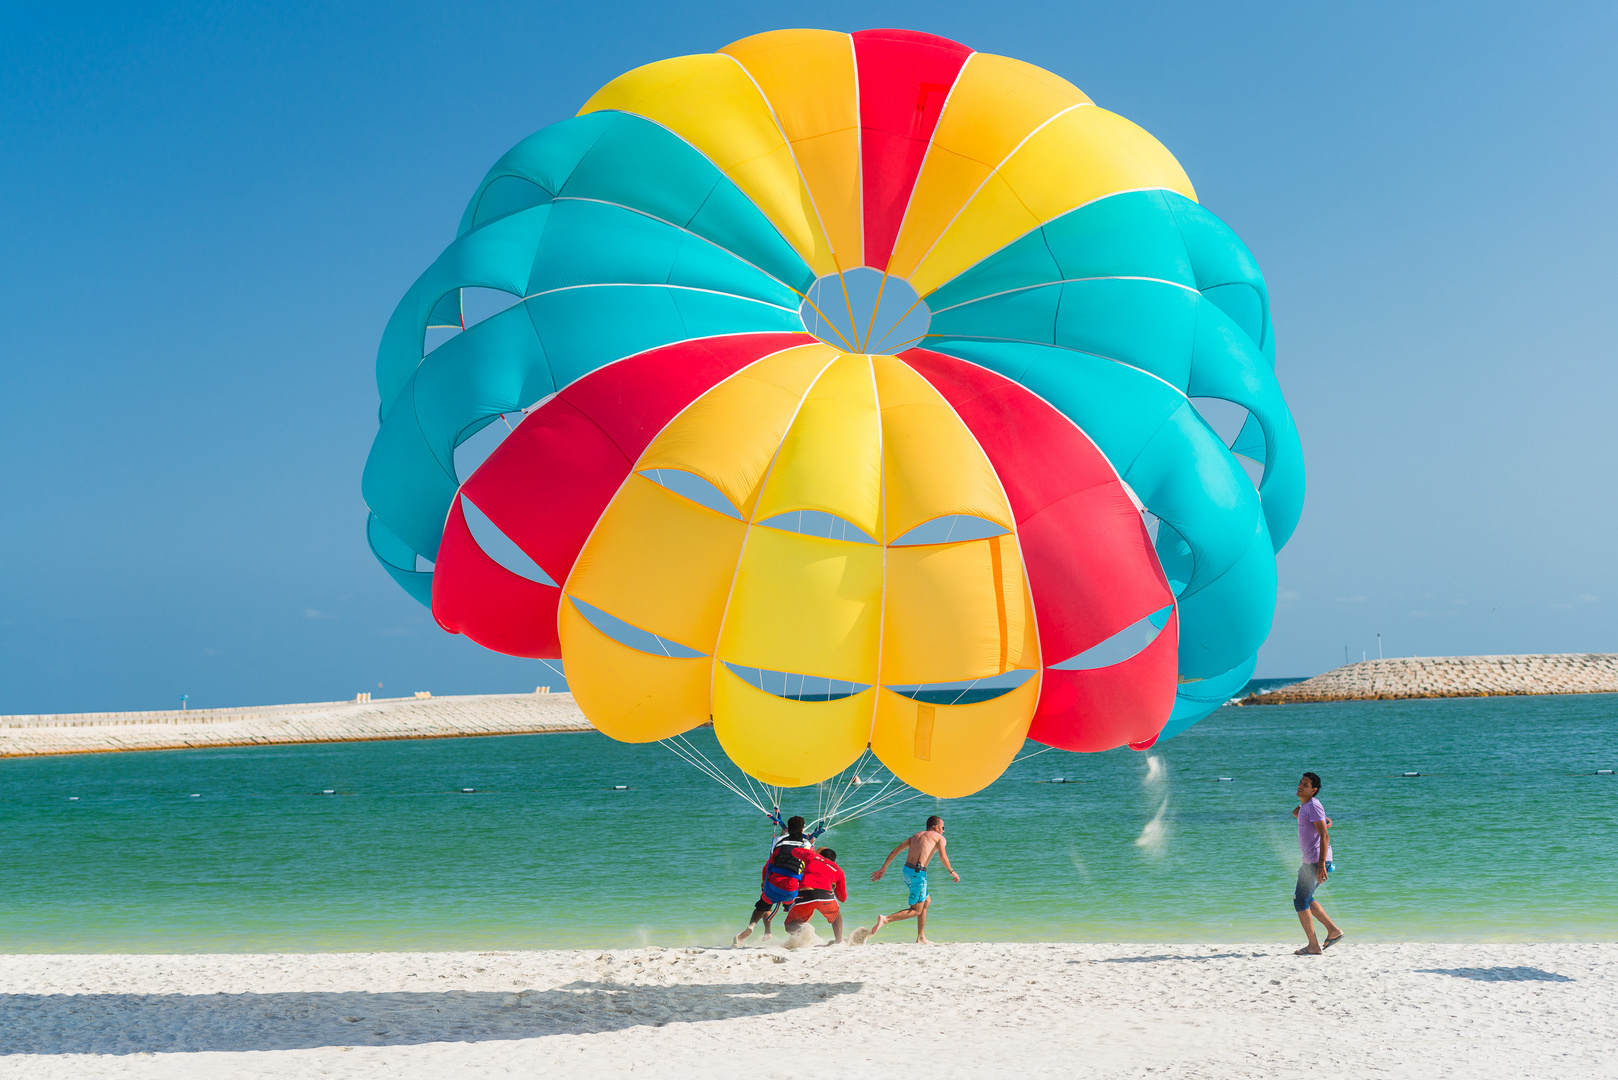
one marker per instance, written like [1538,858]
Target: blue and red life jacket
[783,874]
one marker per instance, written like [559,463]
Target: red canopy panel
[476,596]
[1125,704]
[904,79]
[549,482]
[1091,566]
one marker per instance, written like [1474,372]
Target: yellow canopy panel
[712,103]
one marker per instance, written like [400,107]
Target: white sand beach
[888,1009]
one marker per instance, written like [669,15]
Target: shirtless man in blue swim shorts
[920,849]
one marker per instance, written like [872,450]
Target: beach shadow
[1499,974]
[1161,957]
[182,1023]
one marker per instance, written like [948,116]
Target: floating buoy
[75,798]
[196,796]
[1221,779]
[329,791]
[1410,774]
[1603,772]
[620,787]
[467,790]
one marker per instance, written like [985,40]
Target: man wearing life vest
[782,877]
[823,886]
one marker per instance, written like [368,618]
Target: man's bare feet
[923,941]
[741,937]
[881,921]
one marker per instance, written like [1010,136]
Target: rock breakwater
[333,721]
[1453,676]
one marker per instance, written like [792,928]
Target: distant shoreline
[277,725]
[1414,677]
[1399,678]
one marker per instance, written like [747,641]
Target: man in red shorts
[823,886]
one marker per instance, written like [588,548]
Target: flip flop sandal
[1305,951]
[1329,942]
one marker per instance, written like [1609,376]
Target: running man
[781,878]
[920,849]
[823,886]
[1314,840]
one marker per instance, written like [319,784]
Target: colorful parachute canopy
[845,376]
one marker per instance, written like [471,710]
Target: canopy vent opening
[795,686]
[818,523]
[632,636]
[500,547]
[952,529]
[865,311]
[966,691]
[478,304]
[694,488]
[474,449]
[1123,645]
[1237,429]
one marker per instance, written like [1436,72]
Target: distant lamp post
[1379,646]
[183,699]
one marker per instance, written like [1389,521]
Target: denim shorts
[1304,894]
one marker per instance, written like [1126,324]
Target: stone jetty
[333,721]
[1453,676]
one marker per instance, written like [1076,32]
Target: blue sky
[208,212]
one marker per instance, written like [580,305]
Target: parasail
[855,392]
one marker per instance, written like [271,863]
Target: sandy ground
[888,1009]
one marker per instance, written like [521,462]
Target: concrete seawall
[1453,676]
[335,721]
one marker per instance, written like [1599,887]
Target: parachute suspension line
[839,795]
[683,749]
[765,798]
[890,804]
[1036,753]
[889,794]
[830,794]
[842,799]
[837,808]
[693,757]
[768,796]
[771,796]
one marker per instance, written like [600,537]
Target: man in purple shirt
[1314,839]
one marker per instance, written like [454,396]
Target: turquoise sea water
[1508,834]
